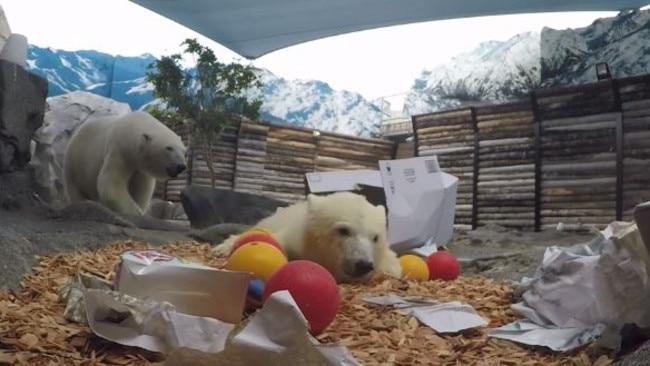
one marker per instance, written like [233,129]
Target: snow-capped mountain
[569,56]
[306,103]
[501,71]
[494,71]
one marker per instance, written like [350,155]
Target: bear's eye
[375,238]
[344,231]
[169,148]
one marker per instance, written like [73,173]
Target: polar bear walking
[117,160]
[341,231]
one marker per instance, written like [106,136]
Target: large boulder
[22,106]
[64,114]
[206,206]
[5,30]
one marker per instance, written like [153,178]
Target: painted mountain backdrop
[494,71]
[501,71]
[309,103]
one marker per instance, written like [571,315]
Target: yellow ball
[256,230]
[258,258]
[414,267]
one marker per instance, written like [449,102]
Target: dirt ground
[491,252]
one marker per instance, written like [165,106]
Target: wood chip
[34,332]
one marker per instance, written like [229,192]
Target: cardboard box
[193,288]
[419,197]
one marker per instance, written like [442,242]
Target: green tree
[207,95]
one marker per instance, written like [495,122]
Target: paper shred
[33,330]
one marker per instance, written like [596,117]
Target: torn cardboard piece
[586,289]
[443,317]
[419,197]
[193,288]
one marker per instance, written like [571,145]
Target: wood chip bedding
[33,330]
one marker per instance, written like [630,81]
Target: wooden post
[395,148]
[475,170]
[537,130]
[235,159]
[415,137]
[619,151]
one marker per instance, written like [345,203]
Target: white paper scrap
[557,339]
[443,317]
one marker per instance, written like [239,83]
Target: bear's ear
[312,199]
[381,212]
[146,137]
[381,209]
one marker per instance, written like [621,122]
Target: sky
[375,63]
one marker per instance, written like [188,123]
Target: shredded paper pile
[33,330]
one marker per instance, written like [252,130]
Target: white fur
[116,161]
[312,229]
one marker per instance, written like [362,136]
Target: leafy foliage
[208,95]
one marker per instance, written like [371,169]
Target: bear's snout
[174,170]
[362,268]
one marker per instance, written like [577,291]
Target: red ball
[443,266]
[313,288]
[257,237]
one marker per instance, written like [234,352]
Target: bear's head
[163,154]
[346,234]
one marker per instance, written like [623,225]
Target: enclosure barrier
[573,155]
[272,159]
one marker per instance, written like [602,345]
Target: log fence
[272,159]
[573,155]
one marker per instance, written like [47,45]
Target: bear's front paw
[390,265]
[221,250]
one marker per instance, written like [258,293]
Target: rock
[22,107]
[90,211]
[639,357]
[5,30]
[23,236]
[152,223]
[165,210]
[64,114]
[17,191]
[206,206]
[216,234]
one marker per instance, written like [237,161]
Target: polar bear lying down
[341,231]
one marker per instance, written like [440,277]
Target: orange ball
[257,235]
[260,259]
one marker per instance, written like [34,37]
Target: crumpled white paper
[443,317]
[557,339]
[277,334]
[579,292]
[155,326]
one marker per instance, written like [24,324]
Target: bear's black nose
[174,171]
[363,267]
